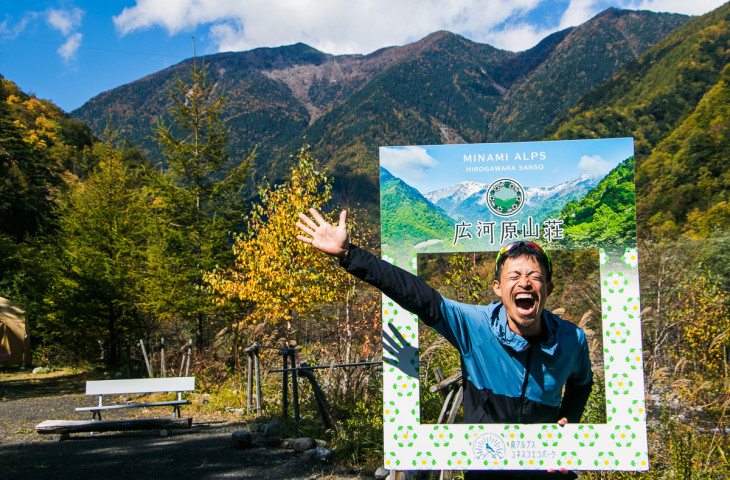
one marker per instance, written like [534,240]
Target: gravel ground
[204,452]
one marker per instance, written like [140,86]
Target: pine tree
[100,261]
[200,196]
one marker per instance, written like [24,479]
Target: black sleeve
[574,401]
[410,291]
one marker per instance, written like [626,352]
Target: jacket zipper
[524,383]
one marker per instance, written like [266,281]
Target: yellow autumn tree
[274,273]
[704,313]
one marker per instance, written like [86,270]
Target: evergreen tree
[200,196]
[100,261]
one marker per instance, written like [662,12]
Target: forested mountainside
[674,102]
[40,147]
[443,88]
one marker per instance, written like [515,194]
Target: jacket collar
[510,339]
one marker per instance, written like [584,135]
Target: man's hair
[518,249]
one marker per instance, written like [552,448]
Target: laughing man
[516,357]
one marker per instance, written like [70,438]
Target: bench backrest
[140,385]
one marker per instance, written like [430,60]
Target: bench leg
[176,411]
[96,415]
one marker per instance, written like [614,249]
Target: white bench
[138,386]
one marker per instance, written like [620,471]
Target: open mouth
[525,303]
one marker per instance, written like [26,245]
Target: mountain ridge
[443,88]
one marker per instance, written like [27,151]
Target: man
[516,357]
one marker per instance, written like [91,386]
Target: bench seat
[138,386]
[134,405]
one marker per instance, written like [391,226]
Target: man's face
[523,289]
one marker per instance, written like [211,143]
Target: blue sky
[533,164]
[68,51]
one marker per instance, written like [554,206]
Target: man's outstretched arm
[410,291]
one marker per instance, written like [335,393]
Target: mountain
[450,92]
[674,101]
[588,55]
[466,200]
[441,89]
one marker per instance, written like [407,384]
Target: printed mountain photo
[481,196]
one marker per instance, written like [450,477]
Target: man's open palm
[331,239]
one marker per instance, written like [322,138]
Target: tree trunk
[200,319]
[112,357]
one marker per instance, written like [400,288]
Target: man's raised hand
[328,238]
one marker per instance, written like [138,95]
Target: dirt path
[204,452]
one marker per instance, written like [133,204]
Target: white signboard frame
[430,175]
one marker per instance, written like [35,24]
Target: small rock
[164,433]
[241,440]
[324,455]
[203,399]
[40,370]
[272,429]
[301,444]
[381,473]
[320,443]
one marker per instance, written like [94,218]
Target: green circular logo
[505,197]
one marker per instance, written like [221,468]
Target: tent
[14,342]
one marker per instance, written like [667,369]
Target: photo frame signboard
[564,195]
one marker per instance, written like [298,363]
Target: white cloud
[10,31]
[333,26]
[407,162]
[595,165]
[517,37]
[344,26]
[579,11]
[694,7]
[65,21]
[68,49]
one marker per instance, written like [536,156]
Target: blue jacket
[506,378]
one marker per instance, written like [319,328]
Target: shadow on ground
[203,453]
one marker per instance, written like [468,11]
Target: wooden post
[190,354]
[439,376]
[284,384]
[294,387]
[319,396]
[162,357]
[258,382]
[249,382]
[146,359]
